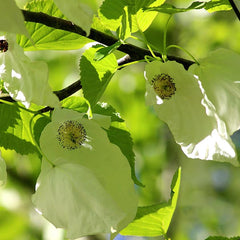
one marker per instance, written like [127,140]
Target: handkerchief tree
[87,181]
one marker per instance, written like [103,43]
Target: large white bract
[25,80]
[219,74]
[88,187]
[193,119]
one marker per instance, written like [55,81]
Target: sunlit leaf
[103,52]
[170,9]
[47,37]
[218,5]
[79,12]
[222,238]
[152,221]
[211,6]
[111,13]
[95,75]
[15,131]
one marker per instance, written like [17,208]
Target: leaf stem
[130,63]
[145,40]
[183,49]
[15,104]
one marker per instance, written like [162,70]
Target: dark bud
[3,45]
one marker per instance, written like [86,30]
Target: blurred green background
[209,201]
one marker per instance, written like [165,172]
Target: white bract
[180,100]
[11,18]
[25,80]
[80,12]
[87,187]
[3,171]
[219,74]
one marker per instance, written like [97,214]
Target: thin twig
[235,9]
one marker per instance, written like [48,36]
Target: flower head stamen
[163,85]
[71,134]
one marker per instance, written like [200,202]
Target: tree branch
[135,53]
[235,9]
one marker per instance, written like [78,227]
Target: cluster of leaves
[103,202]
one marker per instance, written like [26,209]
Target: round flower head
[71,134]
[196,127]
[86,179]
[163,85]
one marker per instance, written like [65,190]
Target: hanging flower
[26,81]
[180,101]
[85,183]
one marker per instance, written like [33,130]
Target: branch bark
[135,53]
[235,9]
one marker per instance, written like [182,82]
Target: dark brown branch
[235,9]
[135,53]
[61,94]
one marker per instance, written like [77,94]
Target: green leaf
[141,19]
[11,18]
[95,75]
[76,103]
[3,172]
[222,238]
[79,12]
[15,131]
[38,127]
[103,52]
[218,5]
[152,221]
[170,9]
[107,110]
[45,37]
[124,30]
[111,13]
[211,6]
